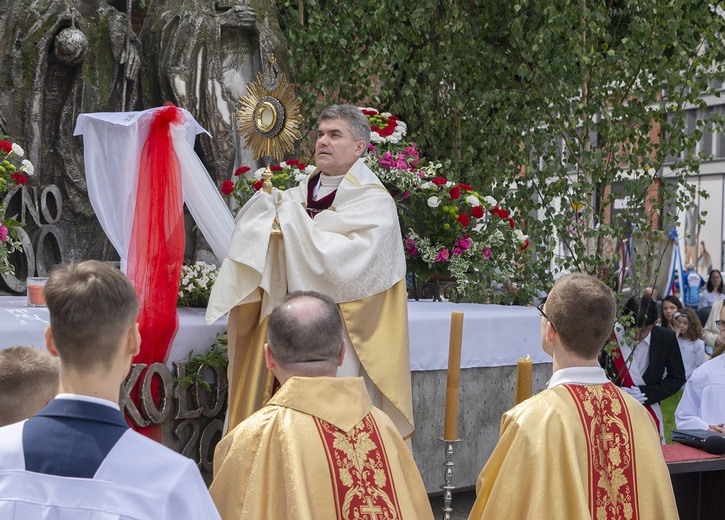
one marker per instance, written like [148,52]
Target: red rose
[19,178]
[464,219]
[526,244]
[6,146]
[369,112]
[439,181]
[241,170]
[301,166]
[502,213]
[275,168]
[292,162]
[465,187]
[511,222]
[227,188]
[258,185]
[455,193]
[477,211]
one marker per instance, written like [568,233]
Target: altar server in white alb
[341,237]
[702,406]
[77,458]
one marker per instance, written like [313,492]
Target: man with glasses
[702,405]
[582,448]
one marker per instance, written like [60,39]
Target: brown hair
[694,329]
[582,310]
[92,305]
[28,381]
[305,329]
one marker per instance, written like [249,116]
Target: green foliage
[554,108]
[215,357]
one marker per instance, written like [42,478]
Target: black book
[711,442]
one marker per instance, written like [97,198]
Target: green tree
[557,108]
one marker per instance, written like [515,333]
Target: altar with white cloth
[494,337]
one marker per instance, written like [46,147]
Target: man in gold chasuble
[319,449]
[340,237]
[582,448]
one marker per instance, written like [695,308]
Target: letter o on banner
[56,203]
[12,282]
[157,415]
[40,250]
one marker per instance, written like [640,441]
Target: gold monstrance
[269,119]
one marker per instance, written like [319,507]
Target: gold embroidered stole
[610,451]
[363,486]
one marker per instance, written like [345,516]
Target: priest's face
[336,150]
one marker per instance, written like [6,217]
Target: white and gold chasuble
[318,450]
[352,252]
[573,452]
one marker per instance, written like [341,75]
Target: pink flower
[413,156]
[442,255]
[410,247]
[464,243]
[371,147]
[401,162]
[487,253]
[388,161]
[405,195]
[457,251]
[3,234]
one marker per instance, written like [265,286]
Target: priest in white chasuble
[319,449]
[341,237]
[582,448]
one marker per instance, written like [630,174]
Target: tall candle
[523,379]
[454,373]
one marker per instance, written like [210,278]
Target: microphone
[708,441]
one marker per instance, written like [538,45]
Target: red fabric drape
[156,251]
[623,371]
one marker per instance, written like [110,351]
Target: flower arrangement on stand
[196,283]
[449,229]
[14,171]
[284,176]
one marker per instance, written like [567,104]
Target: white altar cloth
[493,335]
[23,325]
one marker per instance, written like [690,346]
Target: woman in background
[689,336]
[704,261]
[670,305]
[713,290]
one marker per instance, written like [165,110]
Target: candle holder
[448,487]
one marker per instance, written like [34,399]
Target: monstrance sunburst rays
[269,119]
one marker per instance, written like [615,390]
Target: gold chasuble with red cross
[575,452]
[318,450]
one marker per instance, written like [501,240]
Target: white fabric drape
[112,143]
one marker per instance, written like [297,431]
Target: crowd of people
[312,435]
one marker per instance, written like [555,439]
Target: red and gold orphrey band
[362,484]
[610,451]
